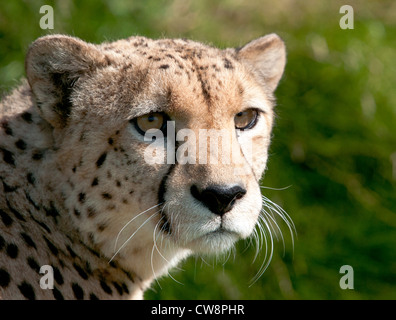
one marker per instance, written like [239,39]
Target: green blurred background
[334,141]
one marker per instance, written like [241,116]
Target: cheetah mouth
[165,226]
[210,240]
[214,242]
[220,232]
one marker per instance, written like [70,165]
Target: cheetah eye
[155,120]
[246,119]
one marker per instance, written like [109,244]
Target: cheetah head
[132,124]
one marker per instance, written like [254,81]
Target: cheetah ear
[53,65]
[266,58]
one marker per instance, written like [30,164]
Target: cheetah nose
[218,199]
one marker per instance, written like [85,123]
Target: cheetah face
[135,124]
[207,202]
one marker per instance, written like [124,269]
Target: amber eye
[149,121]
[246,119]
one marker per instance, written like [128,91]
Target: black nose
[219,199]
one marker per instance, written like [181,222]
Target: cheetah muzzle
[89,183]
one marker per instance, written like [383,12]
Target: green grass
[333,142]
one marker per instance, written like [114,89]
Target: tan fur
[74,182]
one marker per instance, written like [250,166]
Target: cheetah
[77,194]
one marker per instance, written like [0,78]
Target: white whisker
[152,251]
[119,233]
[274,208]
[266,261]
[123,245]
[155,246]
[276,189]
[268,227]
[277,232]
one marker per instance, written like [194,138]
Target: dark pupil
[239,114]
[151,118]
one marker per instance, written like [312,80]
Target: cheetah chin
[109,171]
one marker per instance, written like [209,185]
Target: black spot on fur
[81,197]
[94,252]
[95,182]
[87,268]
[101,159]
[16,213]
[57,294]
[12,251]
[51,246]
[164,66]
[228,64]
[7,220]
[110,141]
[2,243]
[128,274]
[20,144]
[125,288]
[41,224]
[8,188]
[27,290]
[107,196]
[76,213]
[28,240]
[52,211]
[80,271]
[118,288]
[35,205]
[7,129]
[30,178]
[33,264]
[58,276]
[37,155]
[78,292]
[105,287]
[4,278]
[8,157]
[71,252]
[27,116]
[93,297]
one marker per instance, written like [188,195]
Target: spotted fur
[74,186]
